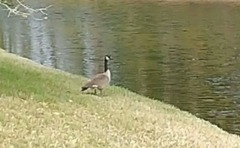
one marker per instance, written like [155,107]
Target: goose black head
[107,57]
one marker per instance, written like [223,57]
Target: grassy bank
[43,107]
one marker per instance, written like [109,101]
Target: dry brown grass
[119,122]
[120,118]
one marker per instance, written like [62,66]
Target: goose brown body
[101,80]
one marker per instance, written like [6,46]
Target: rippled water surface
[187,55]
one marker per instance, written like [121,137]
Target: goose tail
[84,88]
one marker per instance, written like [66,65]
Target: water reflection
[186,55]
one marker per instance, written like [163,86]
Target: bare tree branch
[25,11]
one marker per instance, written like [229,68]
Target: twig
[27,11]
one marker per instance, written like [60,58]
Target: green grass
[43,107]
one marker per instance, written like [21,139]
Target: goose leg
[95,91]
[101,91]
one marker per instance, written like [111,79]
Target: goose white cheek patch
[107,58]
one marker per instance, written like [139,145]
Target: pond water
[187,55]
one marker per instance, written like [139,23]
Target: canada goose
[101,80]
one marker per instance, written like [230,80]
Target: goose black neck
[105,65]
